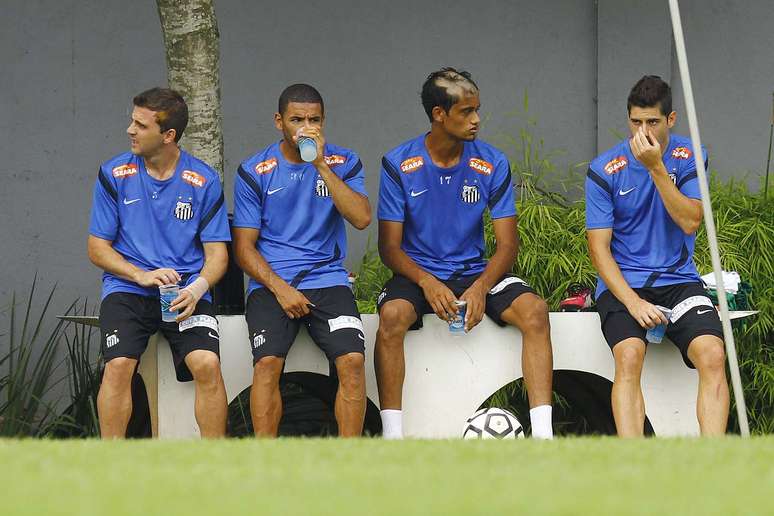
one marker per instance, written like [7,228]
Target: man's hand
[439,296]
[646,148]
[315,133]
[156,278]
[185,304]
[646,314]
[475,295]
[292,301]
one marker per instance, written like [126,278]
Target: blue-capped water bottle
[308,148]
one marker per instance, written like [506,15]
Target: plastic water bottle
[656,335]
[308,149]
[457,322]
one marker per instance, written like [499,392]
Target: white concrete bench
[447,378]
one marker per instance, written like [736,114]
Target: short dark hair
[650,91]
[435,90]
[299,93]
[171,110]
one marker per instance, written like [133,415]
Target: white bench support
[447,378]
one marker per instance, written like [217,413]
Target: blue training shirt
[442,208]
[155,224]
[302,234]
[649,247]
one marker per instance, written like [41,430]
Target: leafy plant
[30,368]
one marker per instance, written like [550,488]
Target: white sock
[540,417]
[392,424]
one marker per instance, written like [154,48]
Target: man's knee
[268,369]
[708,355]
[533,316]
[204,365]
[629,357]
[351,371]
[395,317]
[119,371]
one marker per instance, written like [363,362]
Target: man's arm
[439,296]
[686,212]
[215,264]
[292,301]
[353,206]
[507,237]
[102,254]
[646,314]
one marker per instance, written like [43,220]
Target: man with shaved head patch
[433,194]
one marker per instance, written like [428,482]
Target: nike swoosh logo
[417,194]
[128,202]
[269,192]
[209,334]
[360,336]
[624,192]
[702,312]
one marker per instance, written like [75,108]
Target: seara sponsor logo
[335,159]
[480,166]
[616,165]
[127,170]
[264,167]
[412,164]
[682,153]
[193,178]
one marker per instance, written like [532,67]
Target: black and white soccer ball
[492,423]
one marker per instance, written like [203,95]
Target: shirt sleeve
[688,183]
[501,200]
[213,226]
[354,177]
[599,201]
[248,206]
[104,208]
[392,202]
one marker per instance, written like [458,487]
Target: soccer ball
[492,423]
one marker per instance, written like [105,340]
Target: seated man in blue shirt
[433,194]
[158,218]
[643,208]
[291,240]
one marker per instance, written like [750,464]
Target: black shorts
[693,315]
[333,323]
[498,299]
[128,320]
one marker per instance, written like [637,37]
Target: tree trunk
[191,40]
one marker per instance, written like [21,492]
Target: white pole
[682,58]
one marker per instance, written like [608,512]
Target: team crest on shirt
[184,209]
[470,194]
[615,165]
[334,160]
[321,189]
[192,178]
[480,166]
[264,167]
[412,164]
[681,153]
[127,170]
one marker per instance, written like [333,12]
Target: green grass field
[375,477]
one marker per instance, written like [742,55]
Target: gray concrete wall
[71,68]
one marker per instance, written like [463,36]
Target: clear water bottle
[308,149]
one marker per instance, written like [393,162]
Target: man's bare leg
[210,406]
[395,318]
[350,397]
[707,354]
[114,401]
[265,398]
[627,400]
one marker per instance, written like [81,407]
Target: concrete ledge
[447,378]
